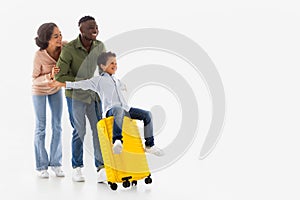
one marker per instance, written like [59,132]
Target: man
[78,61]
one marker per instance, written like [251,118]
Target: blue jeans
[134,113]
[56,106]
[77,112]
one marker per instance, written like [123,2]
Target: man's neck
[86,43]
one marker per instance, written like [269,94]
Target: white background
[255,47]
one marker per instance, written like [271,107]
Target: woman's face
[56,38]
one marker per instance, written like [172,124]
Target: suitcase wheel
[113,186]
[126,184]
[148,180]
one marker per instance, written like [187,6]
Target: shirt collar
[104,74]
[79,45]
[107,74]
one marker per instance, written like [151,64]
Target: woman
[49,40]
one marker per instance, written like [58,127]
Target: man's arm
[64,64]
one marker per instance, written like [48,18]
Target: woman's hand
[55,70]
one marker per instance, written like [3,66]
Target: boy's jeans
[134,113]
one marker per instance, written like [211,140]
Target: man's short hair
[85,18]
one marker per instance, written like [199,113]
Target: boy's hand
[55,83]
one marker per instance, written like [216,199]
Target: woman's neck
[54,52]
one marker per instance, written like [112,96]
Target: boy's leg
[98,109]
[118,113]
[146,116]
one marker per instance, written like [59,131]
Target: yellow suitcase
[129,166]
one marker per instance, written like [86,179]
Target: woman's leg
[41,156]
[56,106]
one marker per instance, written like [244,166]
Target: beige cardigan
[42,67]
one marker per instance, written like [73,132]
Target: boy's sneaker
[43,174]
[77,175]
[101,176]
[58,171]
[154,150]
[117,147]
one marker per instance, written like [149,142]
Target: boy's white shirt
[109,88]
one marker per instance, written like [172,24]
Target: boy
[109,89]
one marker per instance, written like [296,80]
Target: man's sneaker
[58,171]
[77,175]
[101,176]
[117,147]
[43,174]
[154,150]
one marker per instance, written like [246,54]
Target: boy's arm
[55,83]
[89,84]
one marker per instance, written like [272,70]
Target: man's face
[89,30]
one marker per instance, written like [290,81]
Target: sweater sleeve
[37,66]
[37,75]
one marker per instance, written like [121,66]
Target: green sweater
[76,64]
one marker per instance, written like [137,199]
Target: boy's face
[111,66]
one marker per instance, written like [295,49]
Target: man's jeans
[77,112]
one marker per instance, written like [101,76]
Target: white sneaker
[77,175]
[117,147]
[43,174]
[58,171]
[154,150]
[101,175]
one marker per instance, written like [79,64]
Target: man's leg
[93,119]
[77,118]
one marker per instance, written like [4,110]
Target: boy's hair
[103,57]
[85,18]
